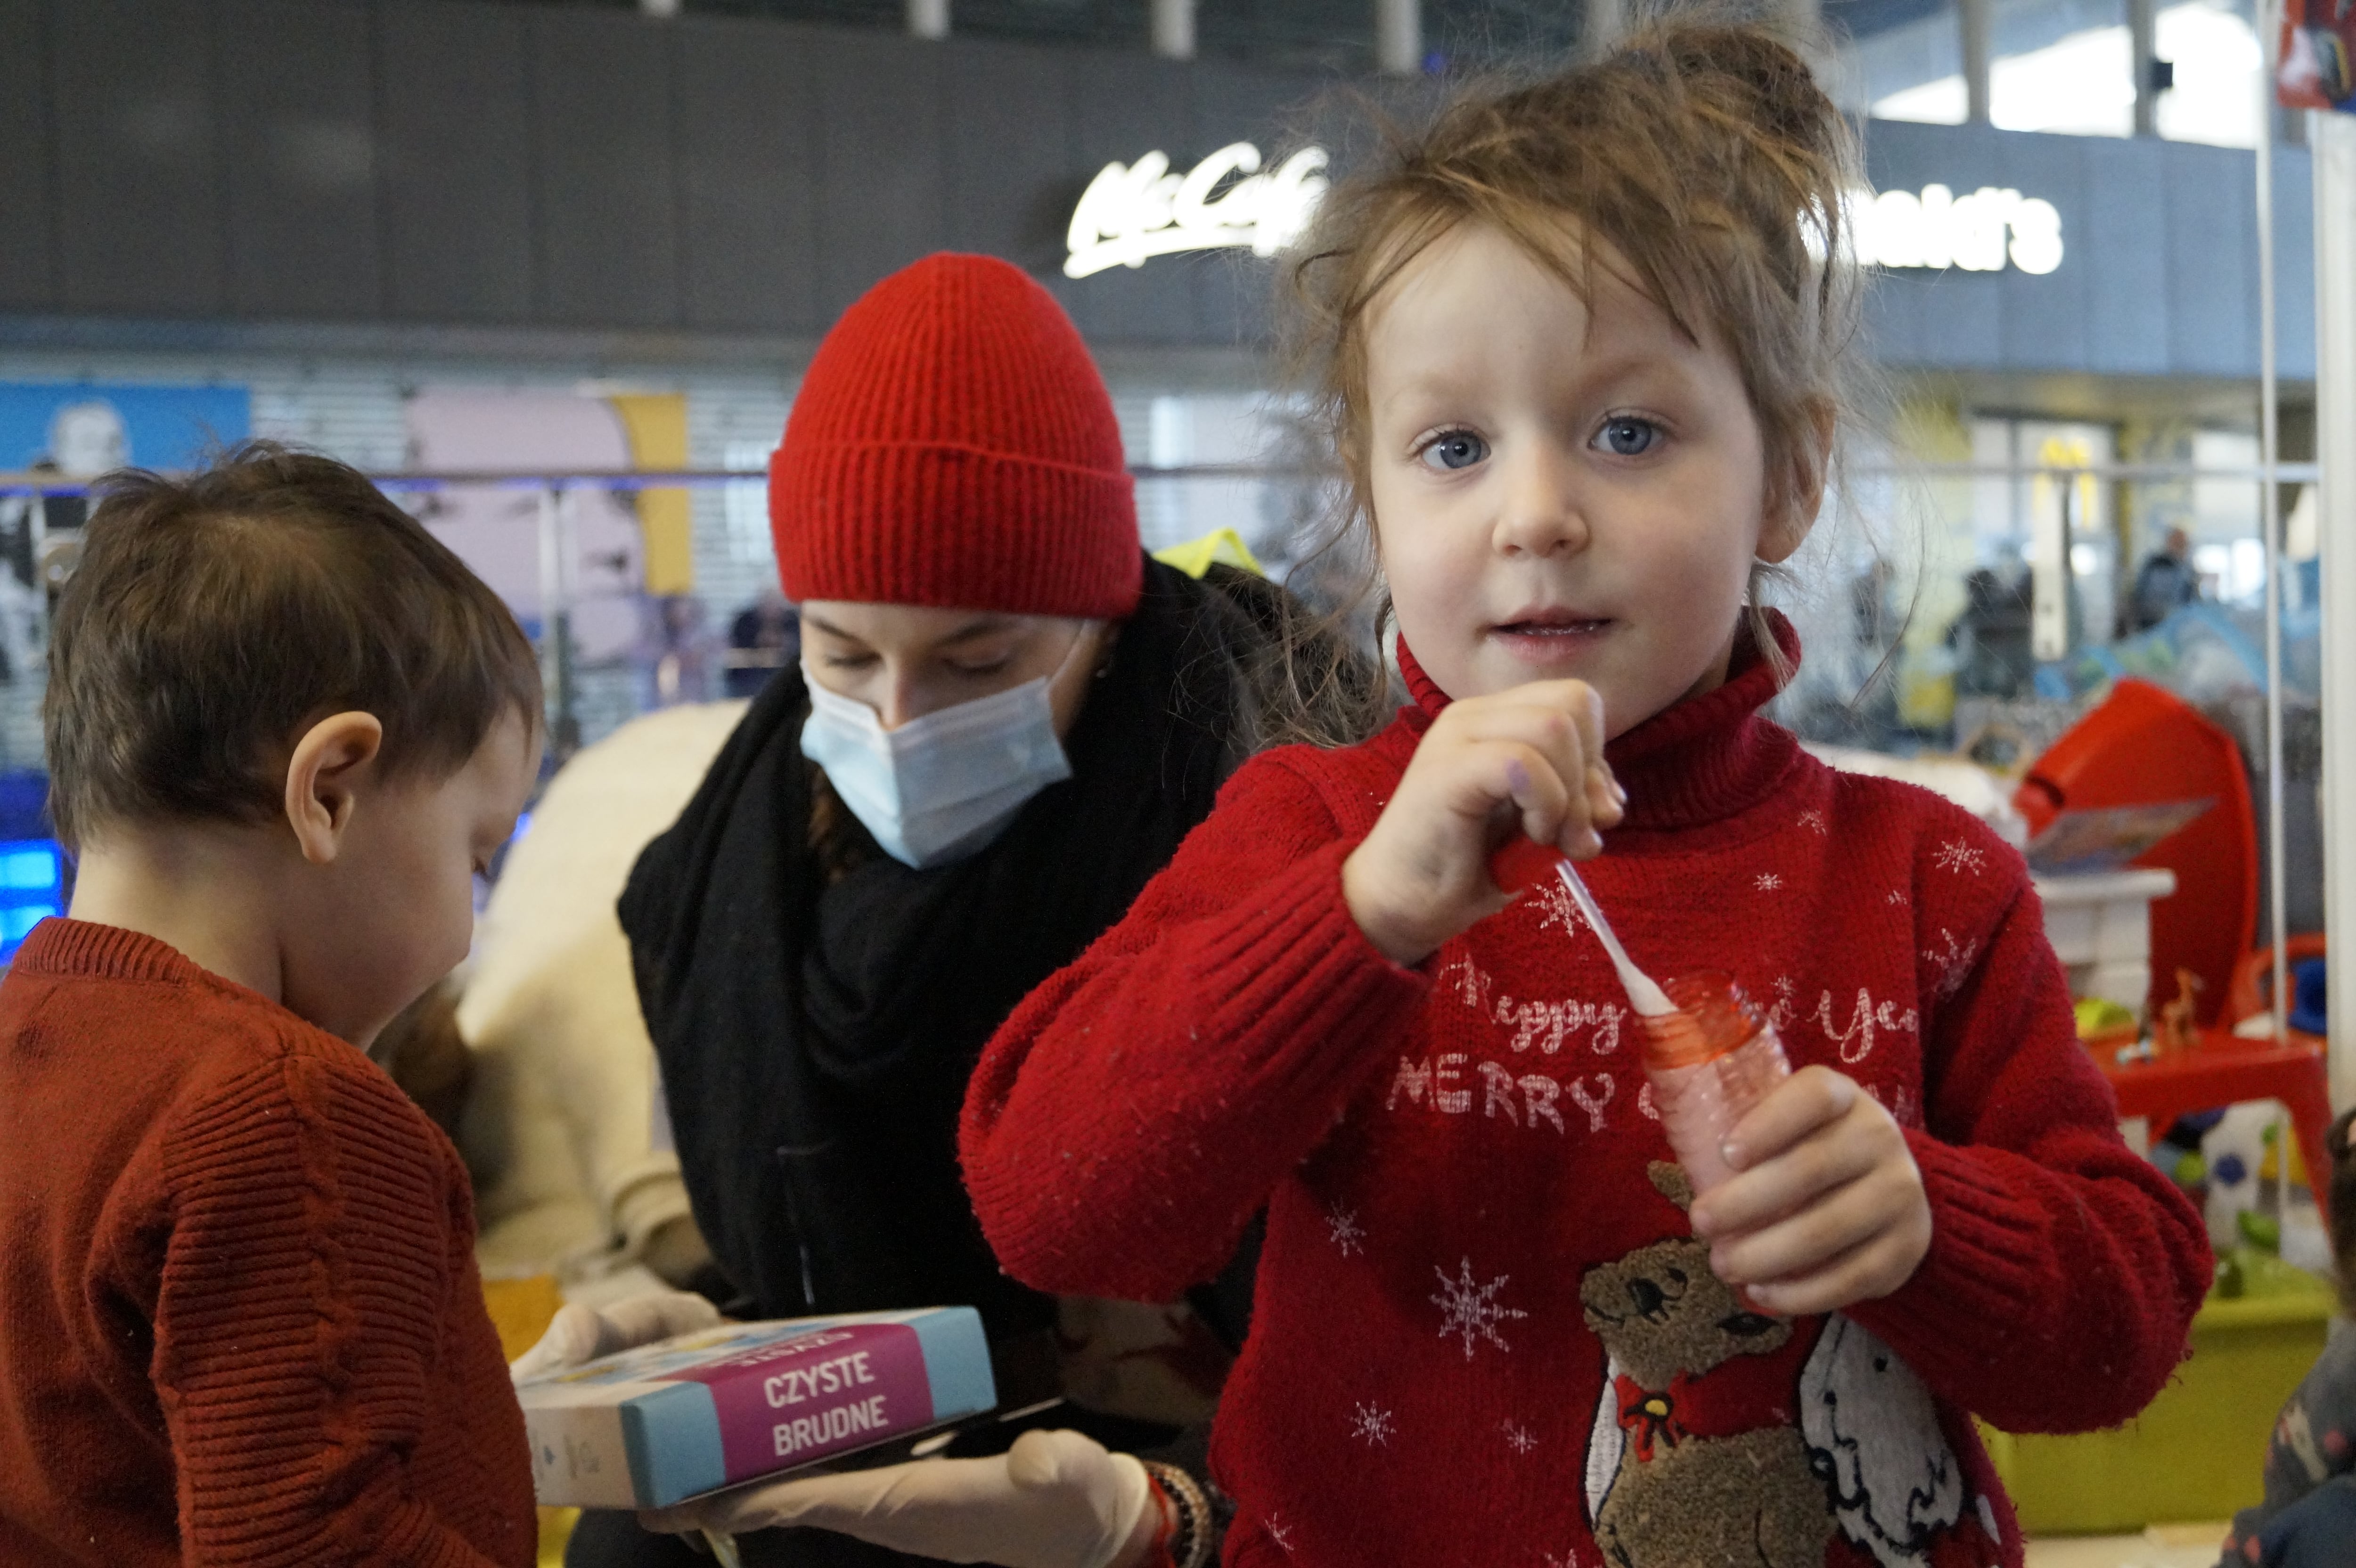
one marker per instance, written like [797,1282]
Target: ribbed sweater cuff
[1301,986]
[1989,1259]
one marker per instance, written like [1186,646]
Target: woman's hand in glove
[580,1334]
[1055,1500]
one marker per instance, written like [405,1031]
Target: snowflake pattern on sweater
[1469,1312]
[1484,1124]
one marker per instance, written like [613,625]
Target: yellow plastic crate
[521,1311]
[556,1530]
[2198,1453]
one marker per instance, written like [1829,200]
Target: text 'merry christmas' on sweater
[240,1318]
[1485,1331]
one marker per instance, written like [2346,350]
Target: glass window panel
[1899,59]
[2058,65]
[2061,66]
[2219,65]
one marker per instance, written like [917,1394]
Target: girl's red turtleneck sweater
[1484,1331]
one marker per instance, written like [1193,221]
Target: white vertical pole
[1399,36]
[2143,47]
[1974,17]
[929,18]
[1821,47]
[2332,138]
[558,571]
[1602,24]
[1173,30]
[2270,519]
[37,524]
[551,595]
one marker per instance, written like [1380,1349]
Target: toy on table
[2105,1028]
[2177,1028]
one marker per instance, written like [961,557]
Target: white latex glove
[580,1334]
[1055,1500]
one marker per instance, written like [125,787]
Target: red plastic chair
[2144,746]
[2253,976]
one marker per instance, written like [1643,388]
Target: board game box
[647,1427]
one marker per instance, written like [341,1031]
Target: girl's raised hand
[1827,1209]
[1525,760]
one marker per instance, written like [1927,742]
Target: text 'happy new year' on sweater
[1484,1332]
[240,1318]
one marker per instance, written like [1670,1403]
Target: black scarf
[816,1039]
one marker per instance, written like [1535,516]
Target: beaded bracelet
[1189,1511]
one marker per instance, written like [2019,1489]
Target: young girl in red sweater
[1584,358]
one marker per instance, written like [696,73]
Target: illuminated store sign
[1131,211]
[1978,231]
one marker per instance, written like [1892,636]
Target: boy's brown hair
[212,618]
[1700,160]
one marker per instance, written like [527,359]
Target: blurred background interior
[508,255]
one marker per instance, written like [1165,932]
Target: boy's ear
[321,776]
[1795,496]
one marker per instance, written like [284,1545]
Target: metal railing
[558,564]
[24,484]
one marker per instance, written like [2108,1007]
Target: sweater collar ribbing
[62,946]
[1699,761]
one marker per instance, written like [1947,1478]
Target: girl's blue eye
[1628,437]
[1457,449]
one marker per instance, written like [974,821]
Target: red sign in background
[2318,55]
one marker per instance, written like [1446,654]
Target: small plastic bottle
[1709,1062]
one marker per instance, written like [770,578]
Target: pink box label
[817,1394]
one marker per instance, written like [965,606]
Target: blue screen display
[32,888]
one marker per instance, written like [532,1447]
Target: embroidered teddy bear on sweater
[1724,1435]
[1690,1475]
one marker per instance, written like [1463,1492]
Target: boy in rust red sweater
[240,1321]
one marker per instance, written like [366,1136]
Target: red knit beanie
[954,445]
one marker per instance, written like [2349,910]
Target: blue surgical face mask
[943,785]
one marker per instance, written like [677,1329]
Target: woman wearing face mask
[1005,719]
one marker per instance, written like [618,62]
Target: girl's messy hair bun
[1699,159]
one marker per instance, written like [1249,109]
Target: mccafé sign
[1133,211]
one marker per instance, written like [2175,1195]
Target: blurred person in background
[2164,583]
[1991,637]
[765,637]
[676,651]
